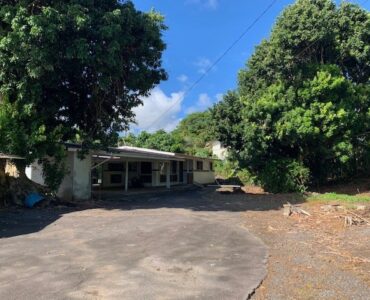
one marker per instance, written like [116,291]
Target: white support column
[186,175]
[168,175]
[81,178]
[126,176]
[155,173]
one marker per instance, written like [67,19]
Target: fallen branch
[290,209]
[359,217]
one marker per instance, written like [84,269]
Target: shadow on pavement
[15,222]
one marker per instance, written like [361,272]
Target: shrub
[246,177]
[284,175]
[226,168]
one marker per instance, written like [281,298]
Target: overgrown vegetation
[301,112]
[73,71]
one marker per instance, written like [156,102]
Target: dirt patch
[253,189]
[313,257]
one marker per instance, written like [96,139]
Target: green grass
[329,197]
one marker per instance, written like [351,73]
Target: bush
[246,177]
[284,175]
[226,168]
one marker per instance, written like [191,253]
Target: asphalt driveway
[170,246]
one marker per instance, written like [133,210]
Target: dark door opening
[181,170]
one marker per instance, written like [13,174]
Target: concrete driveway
[186,245]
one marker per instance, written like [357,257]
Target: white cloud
[183,78]
[159,108]
[210,4]
[204,102]
[203,65]
[219,97]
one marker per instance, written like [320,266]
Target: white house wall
[204,177]
[34,172]
[65,191]
[81,184]
[76,184]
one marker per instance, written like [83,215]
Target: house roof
[187,156]
[142,153]
[144,150]
[136,152]
[9,156]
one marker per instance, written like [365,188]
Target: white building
[126,168]
[218,150]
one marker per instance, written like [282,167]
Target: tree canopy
[191,136]
[159,140]
[197,131]
[73,71]
[302,103]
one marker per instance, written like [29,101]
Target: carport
[129,167]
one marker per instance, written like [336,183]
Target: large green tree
[302,103]
[72,70]
[159,140]
[196,130]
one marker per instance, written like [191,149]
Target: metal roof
[9,156]
[137,152]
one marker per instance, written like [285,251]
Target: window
[211,166]
[174,167]
[116,167]
[115,178]
[146,167]
[163,178]
[199,165]
[132,166]
[146,178]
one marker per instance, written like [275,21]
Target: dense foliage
[159,140]
[302,107]
[72,71]
[191,136]
[197,131]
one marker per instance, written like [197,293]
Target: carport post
[168,175]
[126,176]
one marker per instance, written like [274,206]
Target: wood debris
[332,207]
[349,221]
[355,219]
[290,209]
[229,189]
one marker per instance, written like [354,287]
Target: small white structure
[125,168]
[218,150]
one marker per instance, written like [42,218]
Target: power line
[214,63]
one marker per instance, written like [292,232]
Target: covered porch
[130,172]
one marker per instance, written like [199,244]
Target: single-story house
[126,168]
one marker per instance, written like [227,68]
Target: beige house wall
[11,169]
[204,177]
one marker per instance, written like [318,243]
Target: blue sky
[199,32]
